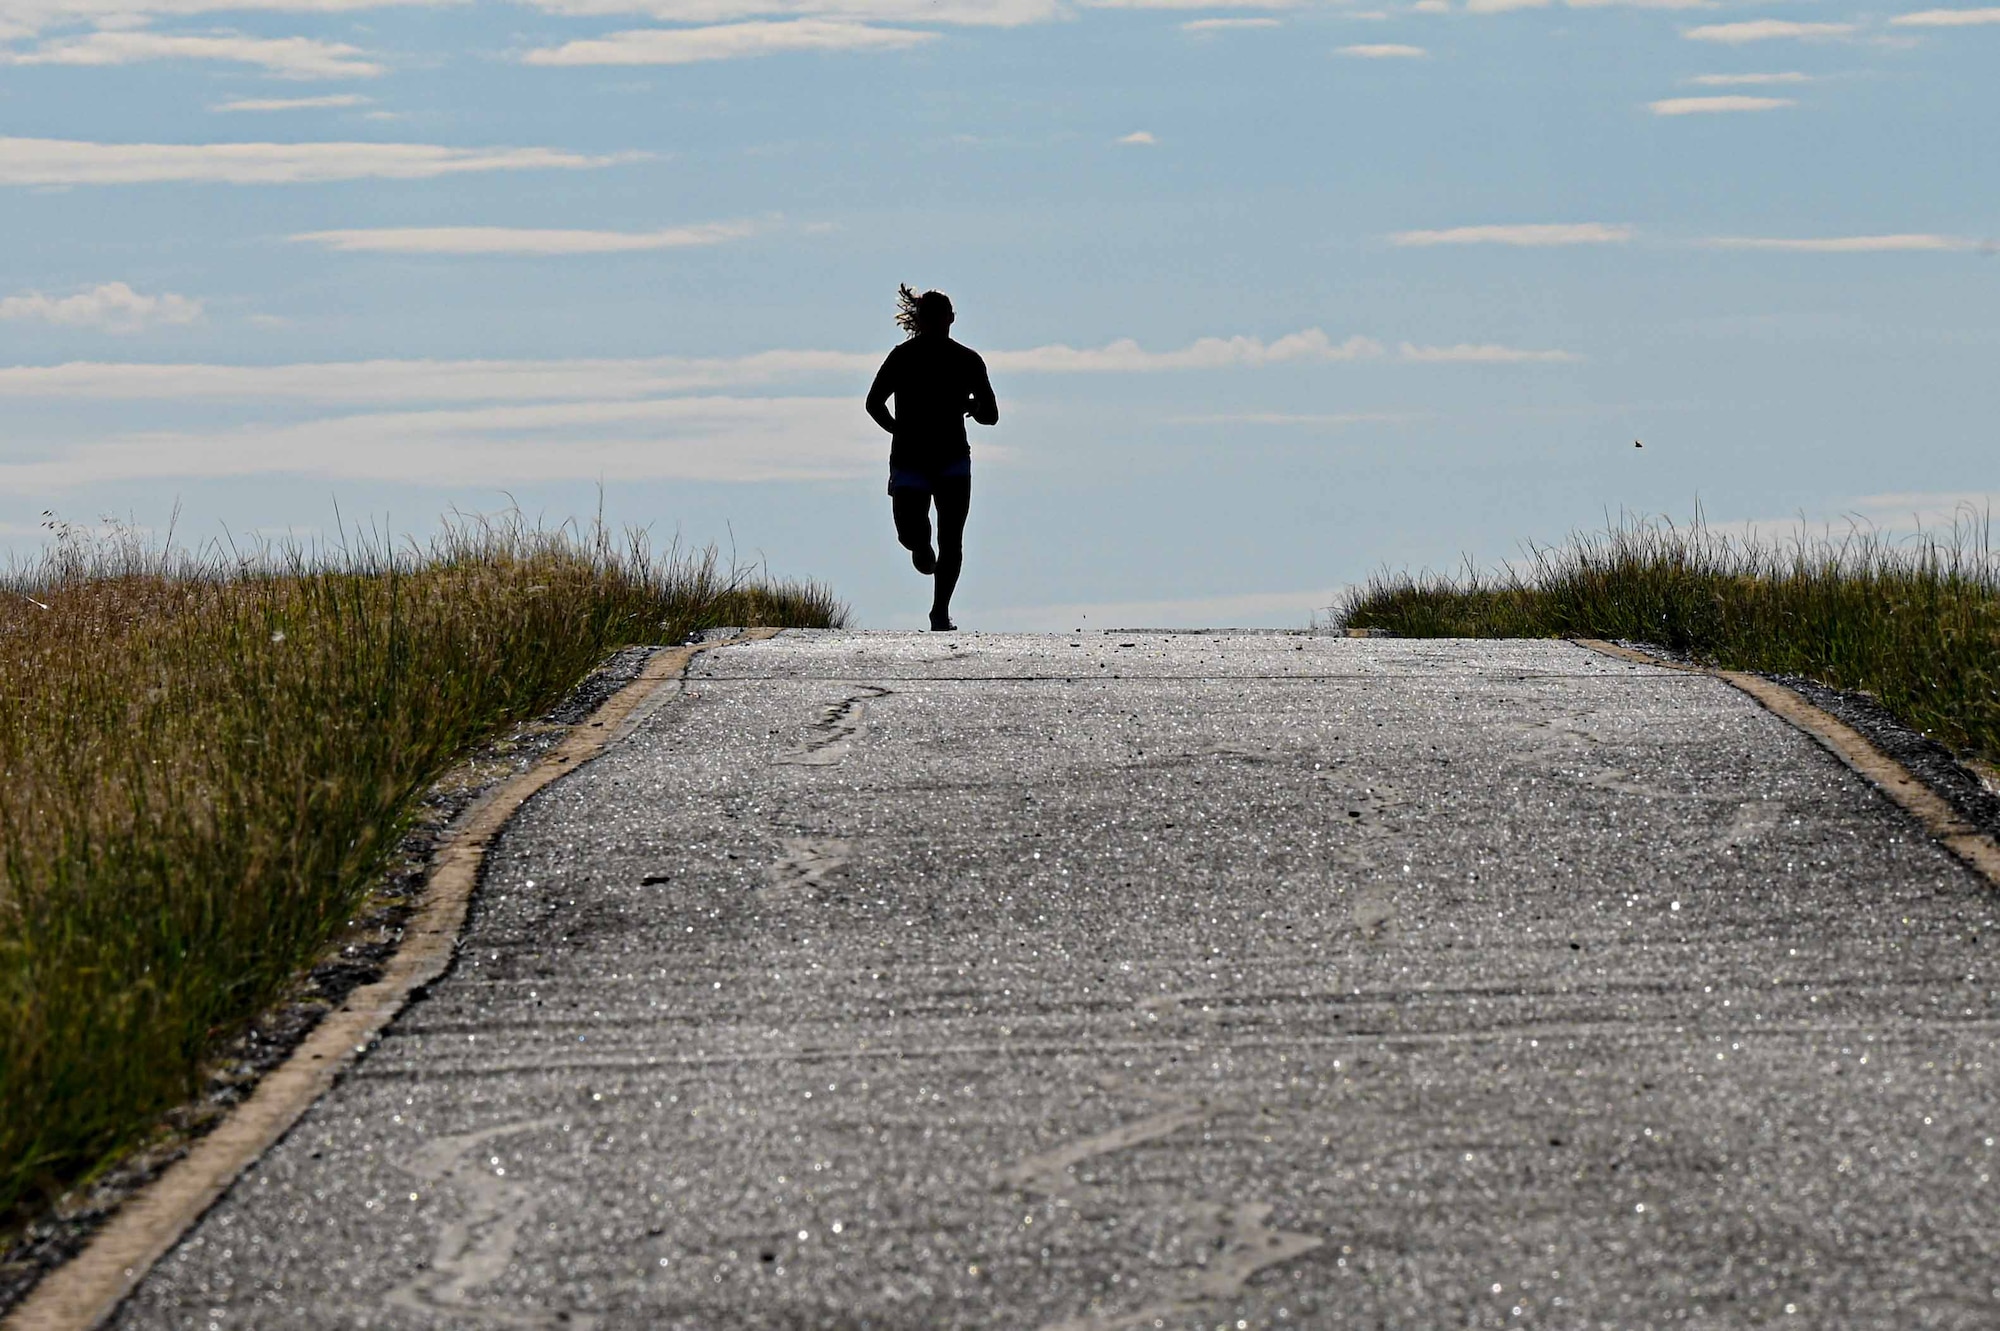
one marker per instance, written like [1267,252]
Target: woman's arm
[984,407]
[878,398]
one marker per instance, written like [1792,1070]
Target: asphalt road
[1087,982]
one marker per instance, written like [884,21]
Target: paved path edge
[85,1291]
[1975,848]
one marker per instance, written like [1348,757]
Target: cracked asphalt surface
[1145,980]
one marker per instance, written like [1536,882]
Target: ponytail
[913,311]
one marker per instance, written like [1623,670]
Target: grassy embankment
[204,766]
[1917,624]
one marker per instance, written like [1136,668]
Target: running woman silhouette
[937,383]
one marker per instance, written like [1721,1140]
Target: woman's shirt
[935,382]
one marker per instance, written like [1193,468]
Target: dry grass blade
[1916,623]
[204,760]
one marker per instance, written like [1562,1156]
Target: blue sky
[1273,294]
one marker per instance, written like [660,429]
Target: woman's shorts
[926,482]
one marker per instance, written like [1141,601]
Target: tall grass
[1916,623]
[205,761]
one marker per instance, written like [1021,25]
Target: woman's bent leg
[913,525]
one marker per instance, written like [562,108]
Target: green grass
[1916,623]
[205,764]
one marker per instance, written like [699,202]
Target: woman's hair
[914,312]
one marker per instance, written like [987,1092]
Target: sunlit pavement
[907,981]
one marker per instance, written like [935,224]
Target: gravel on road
[1152,980]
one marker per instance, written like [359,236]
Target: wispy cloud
[1208,353]
[518,240]
[1722,105]
[331,101]
[1507,6]
[1282,609]
[1140,138]
[1228,24]
[1946,18]
[79,162]
[1907,242]
[1748,80]
[112,307]
[388,382]
[699,438]
[287,57]
[1930,510]
[1190,4]
[1764,30]
[729,41]
[1641,4]
[25,18]
[407,382]
[1384,51]
[1483,353]
[1319,420]
[980,13]
[1526,234]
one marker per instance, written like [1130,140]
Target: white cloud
[409,382]
[1696,106]
[20,18]
[1945,18]
[287,57]
[1910,242]
[1323,420]
[334,100]
[702,438]
[25,18]
[1286,609]
[1228,24]
[1190,4]
[1763,30]
[1483,353]
[1508,6]
[1208,353]
[388,382]
[729,41]
[1431,7]
[986,13]
[113,307]
[1139,137]
[1384,51]
[1528,234]
[1898,516]
[76,162]
[1929,510]
[517,240]
[1747,80]
[1641,4]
